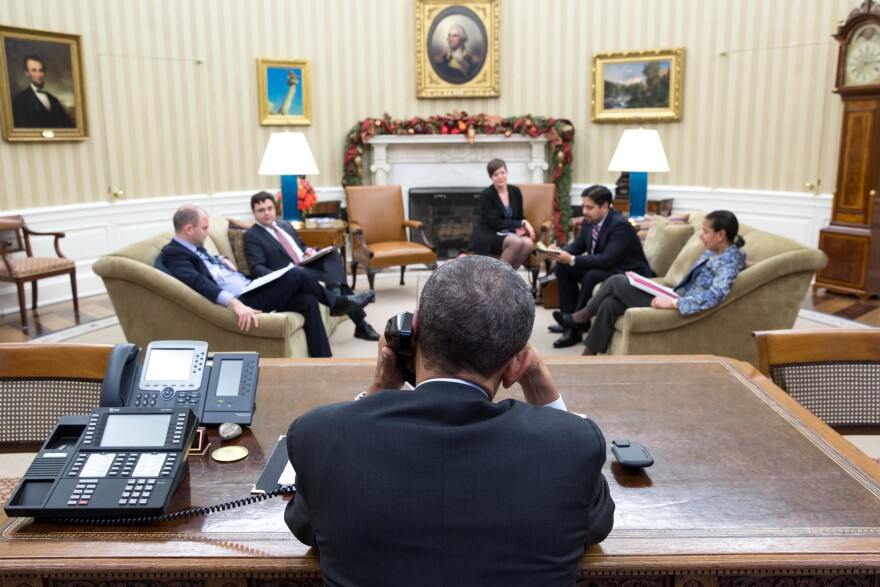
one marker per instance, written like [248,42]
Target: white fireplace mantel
[451,161]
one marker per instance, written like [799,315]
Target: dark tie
[205,254]
[282,238]
[595,238]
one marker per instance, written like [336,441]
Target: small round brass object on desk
[229,454]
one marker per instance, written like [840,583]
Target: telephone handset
[180,373]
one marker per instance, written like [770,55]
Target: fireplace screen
[449,215]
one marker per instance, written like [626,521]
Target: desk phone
[116,462]
[218,388]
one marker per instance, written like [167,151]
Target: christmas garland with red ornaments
[559,133]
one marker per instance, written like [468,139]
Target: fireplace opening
[449,215]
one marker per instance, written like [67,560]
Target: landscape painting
[637,86]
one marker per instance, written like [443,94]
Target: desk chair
[15,238]
[834,373]
[379,232]
[39,383]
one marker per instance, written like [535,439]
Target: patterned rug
[7,486]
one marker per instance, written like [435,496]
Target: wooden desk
[747,490]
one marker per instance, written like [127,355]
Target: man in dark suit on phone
[613,247]
[271,244]
[219,280]
[441,485]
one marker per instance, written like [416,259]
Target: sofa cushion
[648,220]
[689,254]
[664,242]
[236,241]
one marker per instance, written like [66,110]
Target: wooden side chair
[39,383]
[15,237]
[379,232]
[538,199]
[834,373]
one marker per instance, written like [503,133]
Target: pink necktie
[282,238]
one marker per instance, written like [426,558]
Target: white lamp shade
[639,150]
[288,153]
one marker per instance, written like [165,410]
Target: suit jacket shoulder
[190,269]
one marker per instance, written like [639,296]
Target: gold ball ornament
[357,160]
[410,131]
[507,133]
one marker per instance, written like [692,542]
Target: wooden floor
[57,317]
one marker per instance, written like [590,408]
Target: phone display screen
[230,377]
[169,365]
[136,430]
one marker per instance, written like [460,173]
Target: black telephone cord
[181,515]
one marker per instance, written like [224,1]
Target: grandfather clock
[852,240]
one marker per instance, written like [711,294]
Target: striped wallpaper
[172,99]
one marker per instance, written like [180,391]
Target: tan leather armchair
[378,232]
[538,201]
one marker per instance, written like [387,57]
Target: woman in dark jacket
[502,229]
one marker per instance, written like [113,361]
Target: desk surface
[744,481]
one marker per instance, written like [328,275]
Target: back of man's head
[475,314]
[186,214]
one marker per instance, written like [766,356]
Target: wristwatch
[571,261]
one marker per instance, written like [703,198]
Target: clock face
[862,65]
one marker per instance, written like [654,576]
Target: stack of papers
[652,287]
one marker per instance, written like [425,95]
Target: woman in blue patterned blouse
[705,286]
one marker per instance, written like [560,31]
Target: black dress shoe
[568,338]
[566,321]
[347,304]
[365,331]
[555,328]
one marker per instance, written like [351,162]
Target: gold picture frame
[284,88]
[470,68]
[637,86]
[41,86]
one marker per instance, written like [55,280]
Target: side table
[661,207]
[325,237]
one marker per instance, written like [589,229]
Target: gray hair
[475,314]
[186,214]
[461,32]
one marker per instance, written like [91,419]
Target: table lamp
[638,152]
[288,155]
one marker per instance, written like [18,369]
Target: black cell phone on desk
[631,454]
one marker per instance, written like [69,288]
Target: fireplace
[449,215]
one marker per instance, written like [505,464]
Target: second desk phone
[218,388]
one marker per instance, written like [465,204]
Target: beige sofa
[767,295]
[152,305]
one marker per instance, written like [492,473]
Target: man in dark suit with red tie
[613,247]
[271,244]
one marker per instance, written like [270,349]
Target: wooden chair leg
[22,305]
[73,289]
[34,296]
[402,270]
[354,274]
[371,275]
